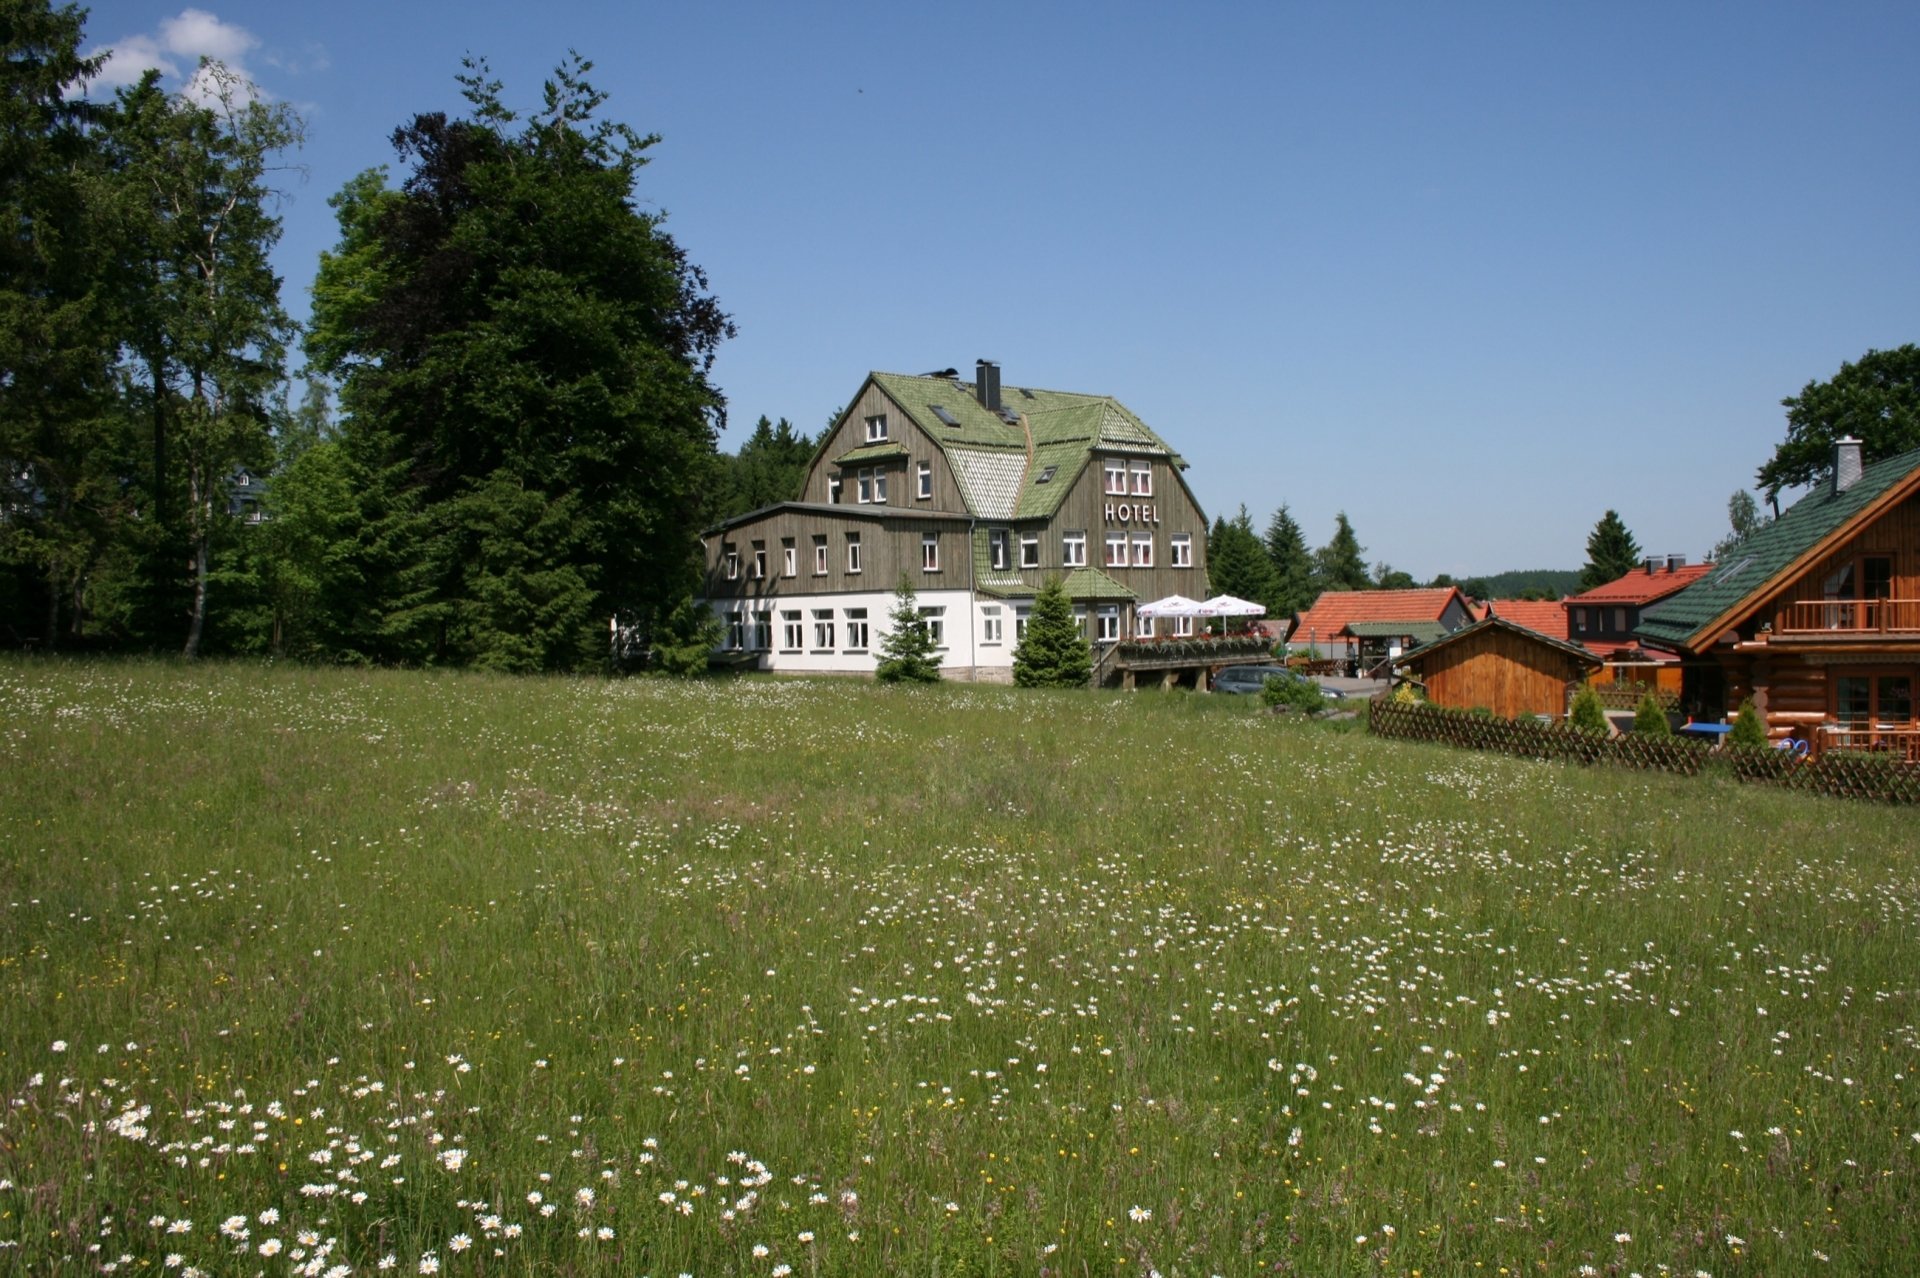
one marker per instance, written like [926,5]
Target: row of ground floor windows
[850,629]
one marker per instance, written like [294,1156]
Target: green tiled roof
[1748,570]
[1005,582]
[1091,583]
[884,451]
[1418,631]
[1067,427]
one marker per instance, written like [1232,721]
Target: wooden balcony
[1901,741]
[1849,617]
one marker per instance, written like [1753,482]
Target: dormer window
[876,428]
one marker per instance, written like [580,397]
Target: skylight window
[1045,476]
[945,417]
[1734,569]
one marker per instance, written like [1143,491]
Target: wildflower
[59,1045]
[759,1251]
[271,1247]
[271,1216]
[1623,1237]
[459,1242]
[605,1233]
[429,1264]
[1139,1215]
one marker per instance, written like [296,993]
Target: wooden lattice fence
[1848,774]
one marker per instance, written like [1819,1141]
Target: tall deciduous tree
[1612,552]
[1341,564]
[1876,400]
[1292,562]
[208,333]
[1743,518]
[524,359]
[1054,652]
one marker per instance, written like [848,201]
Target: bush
[1747,728]
[1293,694]
[1650,720]
[683,644]
[1587,714]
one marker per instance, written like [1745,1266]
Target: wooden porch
[1834,618]
[1175,662]
[1901,742]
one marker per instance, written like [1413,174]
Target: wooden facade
[1501,667]
[884,499]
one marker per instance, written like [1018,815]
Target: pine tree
[1237,563]
[687,638]
[907,652]
[1286,547]
[1612,552]
[1054,653]
[1649,720]
[1341,564]
[1747,728]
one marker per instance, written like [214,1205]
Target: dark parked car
[1254,678]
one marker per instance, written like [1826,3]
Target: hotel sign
[1138,512]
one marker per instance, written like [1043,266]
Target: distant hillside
[1509,585]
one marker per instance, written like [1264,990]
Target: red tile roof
[1544,617]
[1625,650]
[1332,611]
[1643,587]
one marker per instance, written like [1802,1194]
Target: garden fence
[1843,774]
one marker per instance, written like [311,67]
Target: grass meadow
[328,973]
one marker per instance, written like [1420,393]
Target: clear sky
[1472,273]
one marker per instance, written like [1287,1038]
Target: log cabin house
[1816,616]
[1500,665]
[978,494]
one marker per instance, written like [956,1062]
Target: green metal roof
[1091,583]
[1418,631]
[884,451]
[1749,569]
[1067,428]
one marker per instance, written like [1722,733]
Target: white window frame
[789,557]
[876,428]
[1183,627]
[793,630]
[1180,550]
[929,552]
[1142,478]
[1029,550]
[1142,627]
[992,626]
[934,621]
[819,554]
[1020,618]
[863,486]
[853,552]
[736,632]
[762,630]
[1116,550]
[731,553]
[858,635]
[1115,472]
[879,485]
[1106,623]
[1073,550]
[997,553]
[1143,550]
[925,492]
[759,560]
[823,630]
[834,484]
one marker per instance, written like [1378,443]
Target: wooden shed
[1501,666]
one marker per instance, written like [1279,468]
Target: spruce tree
[1237,563]
[1612,552]
[1747,728]
[907,652]
[1054,653]
[1341,564]
[1286,547]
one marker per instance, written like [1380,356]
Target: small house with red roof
[1542,616]
[1602,620]
[1365,627]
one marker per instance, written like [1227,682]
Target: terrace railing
[1878,775]
[1849,616]
[1902,743]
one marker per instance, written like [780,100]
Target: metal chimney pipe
[1846,464]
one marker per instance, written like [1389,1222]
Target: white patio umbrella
[1171,606]
[1231,606]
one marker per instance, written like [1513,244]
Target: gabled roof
[989,451]
[1334,609]
[1769,560]
[1643,587]
[1544,616]
[1091,583]
[1498,622]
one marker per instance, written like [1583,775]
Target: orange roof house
[1603,619]
[1366,625]
[1542,616]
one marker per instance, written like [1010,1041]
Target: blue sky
[1472,274]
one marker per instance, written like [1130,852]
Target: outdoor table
[1712,731]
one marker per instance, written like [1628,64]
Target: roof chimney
[986,384]
[1676,562]
[1846,464]
[1653,564]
